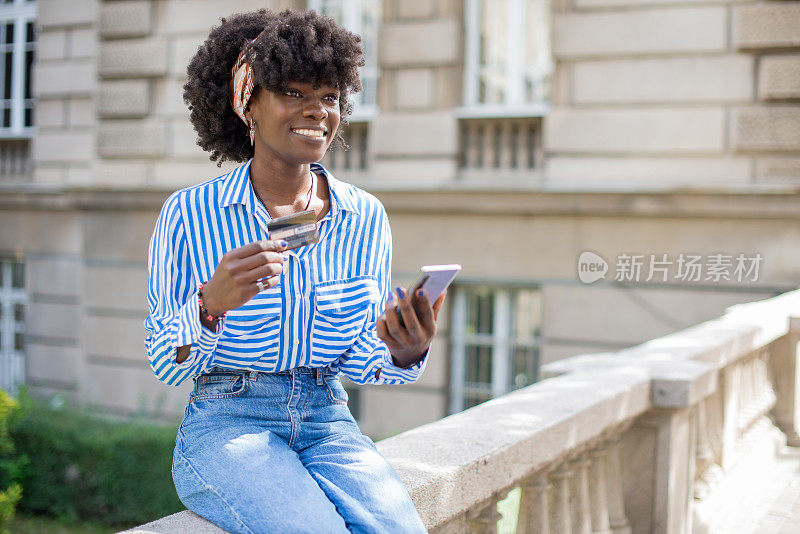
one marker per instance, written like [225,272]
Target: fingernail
[283,243]
[400,293]
[391,296]
[421,293]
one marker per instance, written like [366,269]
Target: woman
[267,443]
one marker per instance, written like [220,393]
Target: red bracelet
[203,311]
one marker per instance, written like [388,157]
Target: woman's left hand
[408,343]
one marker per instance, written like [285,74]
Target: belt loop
[318,375]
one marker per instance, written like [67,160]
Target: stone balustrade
[15,161]
[647,439]
[500,148]
[351,164]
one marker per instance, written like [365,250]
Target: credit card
[297,229]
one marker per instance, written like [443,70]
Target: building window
[12,323]
[361,17]
[495,340]
[507,70]
[17,46]
[508,59]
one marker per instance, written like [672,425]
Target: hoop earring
[252,132]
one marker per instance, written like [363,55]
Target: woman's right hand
[234,280]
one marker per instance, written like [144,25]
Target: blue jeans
[280,452]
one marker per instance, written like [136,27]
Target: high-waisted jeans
[280,452]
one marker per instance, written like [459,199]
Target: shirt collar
[237,189]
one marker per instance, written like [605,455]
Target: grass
[509,507]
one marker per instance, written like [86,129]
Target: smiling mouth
[309,133]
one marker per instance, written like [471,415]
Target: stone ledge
[185,522]
[766,25]
[673,383]
[782,204]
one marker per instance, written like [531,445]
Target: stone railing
[647,439]
[353,163]
[500,148]
[15,160]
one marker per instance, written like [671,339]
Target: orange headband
[242,83]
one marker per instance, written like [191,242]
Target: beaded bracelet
[203,311]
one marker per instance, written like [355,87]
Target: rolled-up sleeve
[174,318]
[368,360]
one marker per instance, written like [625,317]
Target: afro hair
[292,46]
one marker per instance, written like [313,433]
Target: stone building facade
[664,130]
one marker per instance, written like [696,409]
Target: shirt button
[297,294]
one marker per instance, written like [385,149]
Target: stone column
[560,520]
[616,497]
[534,509]
[667,465]
[598,497]
[579,502]
[483,518]
[784,364]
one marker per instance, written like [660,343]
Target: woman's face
[298,124]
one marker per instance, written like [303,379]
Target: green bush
[87,467]
[12,466]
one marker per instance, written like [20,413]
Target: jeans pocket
[218,386]
[335,390]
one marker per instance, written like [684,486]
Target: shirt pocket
[341,309]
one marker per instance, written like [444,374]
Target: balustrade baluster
[532,134]
[362,148]
[616,497]
[764,381]
[489,144]
[336,157]
[475,148]
[598,492]
[521,140]
[560,519]
[506,149]
[704,452]
[483,518]
[534,506]
[579,493]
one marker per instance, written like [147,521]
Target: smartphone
[434,279]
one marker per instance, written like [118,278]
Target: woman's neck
[279,185]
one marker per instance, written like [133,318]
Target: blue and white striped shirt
[321,313]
